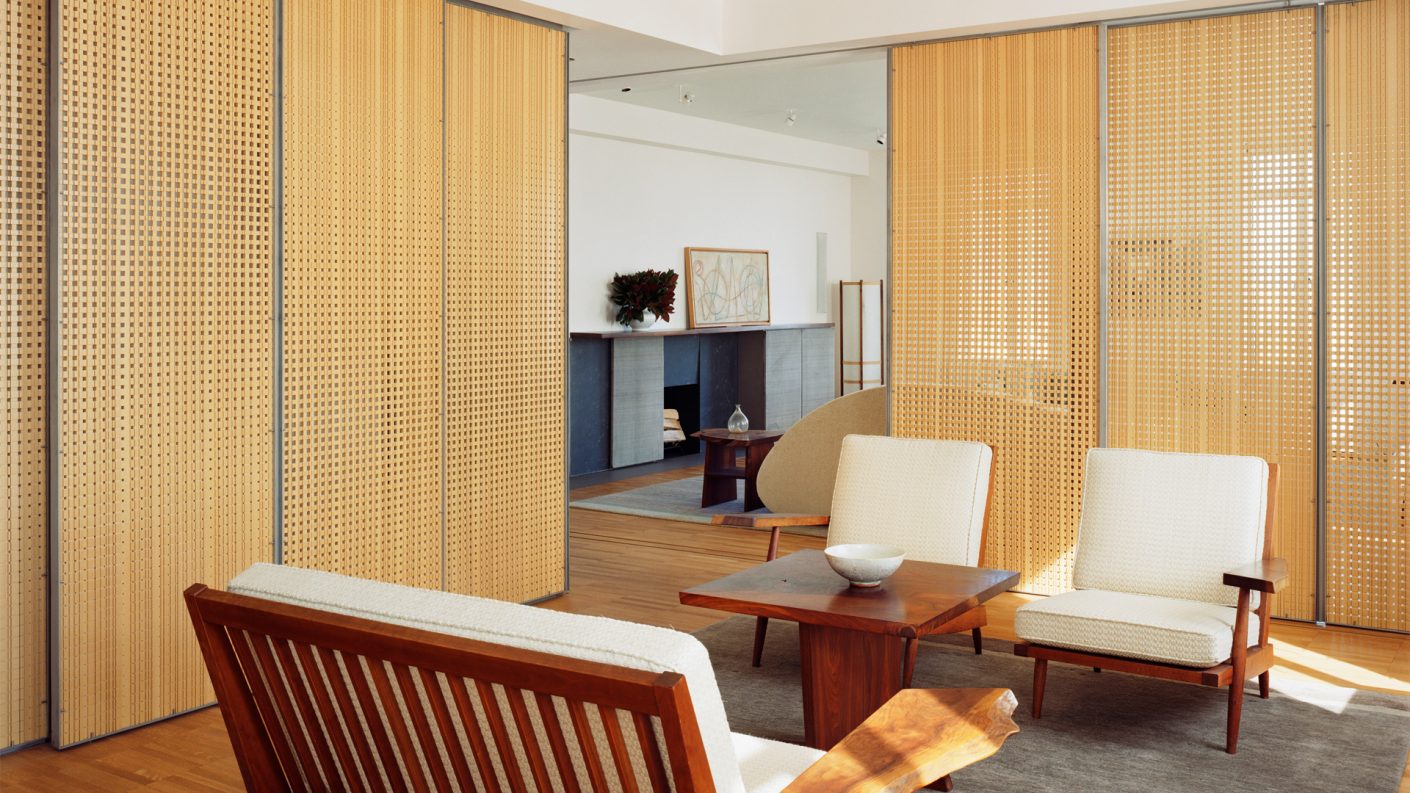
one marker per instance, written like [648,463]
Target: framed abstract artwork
[725,287]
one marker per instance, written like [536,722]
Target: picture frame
[726,287]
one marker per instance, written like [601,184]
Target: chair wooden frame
[1266,576]
[918,737]
[973,620]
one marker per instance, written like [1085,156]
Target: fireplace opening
[684,401]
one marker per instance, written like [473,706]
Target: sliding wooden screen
[994,257]
[362,288]
[165,380]
[505,293]
[1368,313]
[23,587]
[1212,334]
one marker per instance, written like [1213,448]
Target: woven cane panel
[1368,313]
[995,210]
[165,348]
[362,288]
[23,595]
[505,294]
[1212,339]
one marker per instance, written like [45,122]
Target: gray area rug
[1107,732]
[677,500]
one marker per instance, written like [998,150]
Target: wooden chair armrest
[769,520]
[1265,575]
[917,737]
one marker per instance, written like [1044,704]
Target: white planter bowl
[865,564]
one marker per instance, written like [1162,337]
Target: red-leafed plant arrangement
[634,294]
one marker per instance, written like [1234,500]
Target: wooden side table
[722,464]
[850,639]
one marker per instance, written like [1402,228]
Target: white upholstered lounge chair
[929,498]
[333,683]
[1169,549]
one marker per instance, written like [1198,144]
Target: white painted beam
[590,115]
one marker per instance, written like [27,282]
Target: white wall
[636,204]
[869,238]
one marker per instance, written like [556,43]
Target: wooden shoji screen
[362,288]
[1211,332]
[994,257]
[505,271]
[165,386]
[23,588]
[1368,313]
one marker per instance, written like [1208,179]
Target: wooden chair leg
[761,627]
[943,783]
[907,671]
[1238,659]
[1263,685]
[1236,708]
[978,641]
[1040,681]
[1096,669]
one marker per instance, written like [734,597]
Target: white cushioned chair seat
[926,497]
[1147,627]
[578,636]
[768,766]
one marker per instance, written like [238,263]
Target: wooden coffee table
[850,639]
[722,466]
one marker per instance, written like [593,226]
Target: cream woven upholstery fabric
[768,766]
[1169,524]
[571,635]
[926,497]
[1186,632]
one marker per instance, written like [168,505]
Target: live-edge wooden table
[849,638]
[722,467]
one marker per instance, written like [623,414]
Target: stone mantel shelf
[641,334]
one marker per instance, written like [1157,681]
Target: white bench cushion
[1148,627]
[1166,524]
[768,766]
[577,636]
[926,497]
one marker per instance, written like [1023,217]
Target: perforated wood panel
[165,347]
[23,595]
[505,299]
[1368,313]
[994,257]
[362,288]
[1212,339]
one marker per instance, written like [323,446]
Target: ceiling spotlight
[791,118]
[627,89]
[881,137]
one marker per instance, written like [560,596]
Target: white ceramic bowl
[864,564]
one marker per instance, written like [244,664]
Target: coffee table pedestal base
[847,676]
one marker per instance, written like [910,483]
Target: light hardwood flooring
[629,568]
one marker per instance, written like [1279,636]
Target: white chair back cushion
[1159,523]
[926,497]
[577,636]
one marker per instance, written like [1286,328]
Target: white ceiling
[836,98]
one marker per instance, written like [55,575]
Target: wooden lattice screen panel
[1212,338]
[994,256]
[362,288]
[165,349]
[23,595]
[1368,313]
[505,365]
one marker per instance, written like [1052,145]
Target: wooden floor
[629,568]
